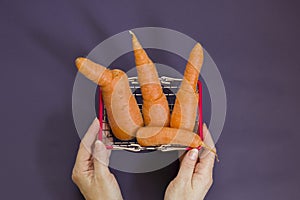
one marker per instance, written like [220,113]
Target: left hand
[91,173]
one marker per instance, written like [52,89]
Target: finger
[206,156]
[89,138]
[188,165]
[205,165]
[203,175]
[101,158]
[204,168]
[208,141]
[85,148]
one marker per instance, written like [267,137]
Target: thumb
[188,165]
[101,158]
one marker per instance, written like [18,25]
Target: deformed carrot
[185,108]
[123,112]
[155,136]
[155,105]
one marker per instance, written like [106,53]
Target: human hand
[195,177]
[90,172]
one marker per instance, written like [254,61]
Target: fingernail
[98,145]
[96,123]
[193,154]
[98,142]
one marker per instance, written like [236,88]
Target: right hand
[195,177]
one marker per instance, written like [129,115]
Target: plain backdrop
[254,43]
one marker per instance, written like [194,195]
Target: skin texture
[186,103]
[90,172]
[195,176]
[154,101]
[117,98]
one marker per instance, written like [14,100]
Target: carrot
[123,112]
[155,109]
[185,107]
[155,136]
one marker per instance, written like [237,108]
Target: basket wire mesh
[170,87]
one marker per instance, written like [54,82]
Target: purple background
[254,43]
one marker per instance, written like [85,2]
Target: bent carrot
[155,109]
[185,107]
[123,112]
[155,136]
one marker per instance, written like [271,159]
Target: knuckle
[178,182]
[75,176]
[104,178]
[206,180]
[188,164]
[81,145]
[184,179]
[99,176]
[210,182]
[102,175]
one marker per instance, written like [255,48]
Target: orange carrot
[123,112]
[155,105]
[155,136]
[185,108]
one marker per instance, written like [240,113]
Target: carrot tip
[131,33]
[198,45]
[79,61]
[197,48]
[135,43]
[212,151]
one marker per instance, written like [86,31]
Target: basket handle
[100,115]
[200,112]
